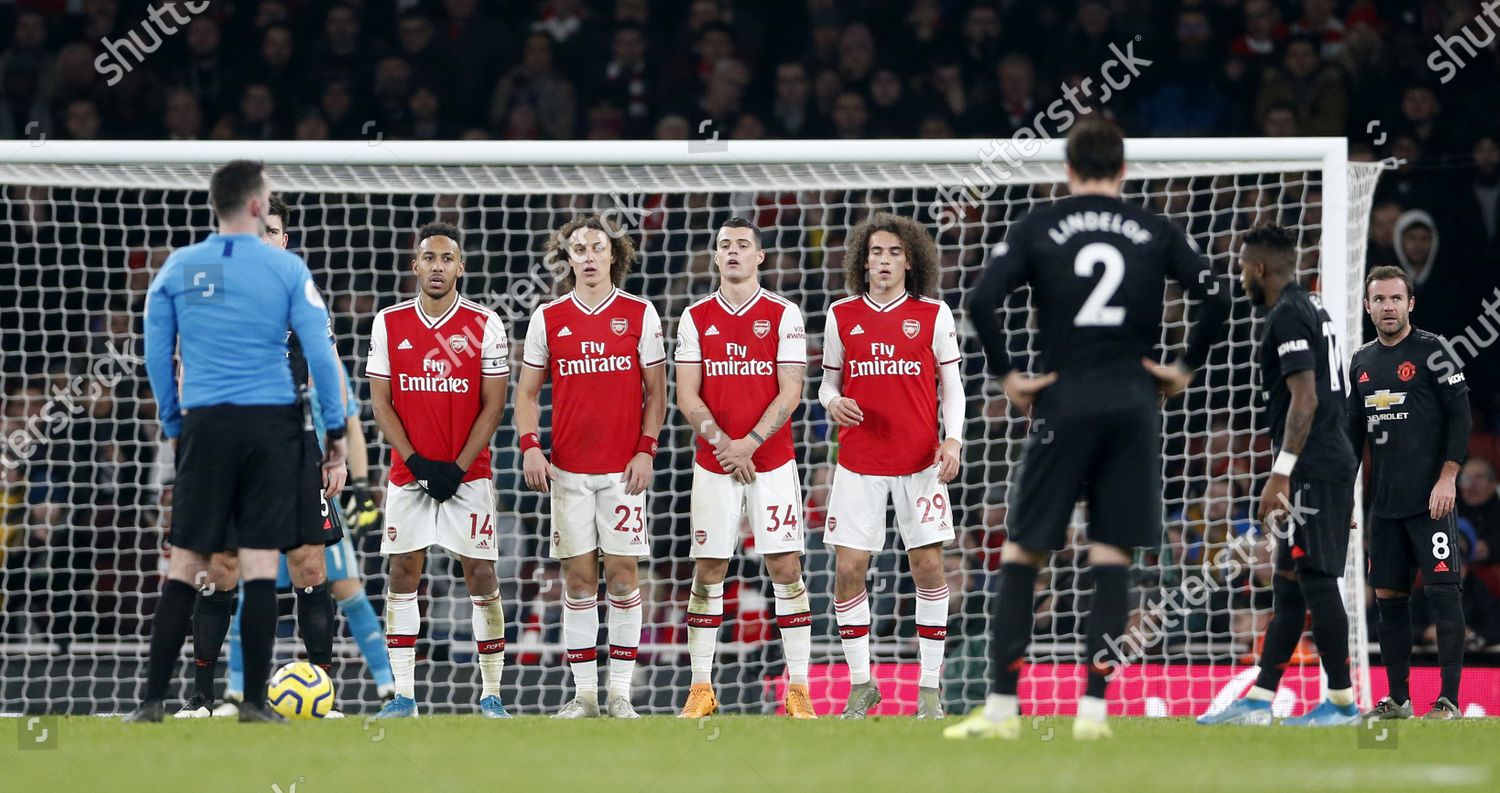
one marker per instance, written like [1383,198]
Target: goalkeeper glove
[362,510]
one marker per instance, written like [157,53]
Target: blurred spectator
[1017,106]
[1320,26]
[626,79]
[1189,98]
[793,114]
[891,113]
[850,116]
[1314,90]
[81,120]
[1479,503]
[206,72]
[536,83]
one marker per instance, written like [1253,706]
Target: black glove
[429,475]
[450,476]
[362,511]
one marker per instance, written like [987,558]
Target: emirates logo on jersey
[458,344]
[1406,371]
[761,328]
[619,325]
[910,327]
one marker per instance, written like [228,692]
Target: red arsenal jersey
[595,357]
[436,367]
[739,350]
[889,357]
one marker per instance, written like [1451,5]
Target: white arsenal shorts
[772,504]
[593,511]
[856,509]
[464,524]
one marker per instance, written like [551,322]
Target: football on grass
[300,690]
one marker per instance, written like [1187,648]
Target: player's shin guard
[1448,618]
[403,622]
[581,641]
[1330,628]
[1288,618]
[1395,634]
[624,641]
[853,617]
[365,628]
[1108,613]
[932,633]
[258,636]
[489,640]
[212,613]
[169,627]
[1010,626]
[705,615]
[794,618]
[315,621]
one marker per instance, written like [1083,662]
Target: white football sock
[705,615]
[794,618]
[1341,696]
[853,618]
[998,707]
[403,621]
[581,641]
[1093,708]
[624,641]
[932,633]
[1261,694]
[489,640]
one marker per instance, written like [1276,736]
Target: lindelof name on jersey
[434,378]
[595,359]
[883,361]
[1112,222]
[739,363]
[1383,400]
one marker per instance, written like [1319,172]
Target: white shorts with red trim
[464,524]
[593,511]
[856,510]
[772,504]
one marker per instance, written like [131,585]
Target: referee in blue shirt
[222,307]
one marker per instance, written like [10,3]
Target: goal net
[85,228]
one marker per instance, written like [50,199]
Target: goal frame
[1326,155]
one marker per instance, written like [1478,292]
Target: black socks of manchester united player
[1010,626]
[315,620]
[1108,612]
[1448,618]
[1395,634]
[1330,626]
[257,635]
[212,612]
[1288,617]
[169,627]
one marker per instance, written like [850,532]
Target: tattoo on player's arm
[1299,415]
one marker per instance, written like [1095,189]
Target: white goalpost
[86,225]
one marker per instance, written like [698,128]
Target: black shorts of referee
[236,465]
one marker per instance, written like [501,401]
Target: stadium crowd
[80,516]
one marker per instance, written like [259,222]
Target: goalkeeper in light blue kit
[343,571]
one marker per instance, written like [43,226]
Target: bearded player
[889,352]
[438,369]
[741,358]
[603,350]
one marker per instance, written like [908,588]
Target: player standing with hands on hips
[438,369]
[1096,266]
[224,306]
[1416,417]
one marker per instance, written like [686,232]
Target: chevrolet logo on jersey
[1384,399]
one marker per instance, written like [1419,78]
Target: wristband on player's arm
[647,446]
[1284,465]
[530,441]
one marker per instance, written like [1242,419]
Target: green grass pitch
[735,753]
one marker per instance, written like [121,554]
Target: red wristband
[646,445]
[530,441]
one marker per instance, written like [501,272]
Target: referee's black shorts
[1400,548]
[235,466]
[1112,458]
[317,522]
[1313,531]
